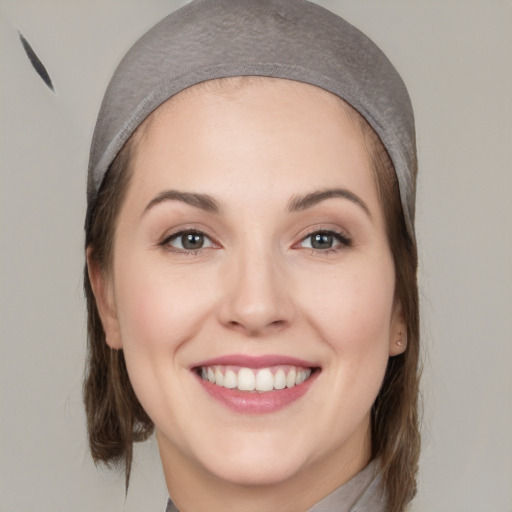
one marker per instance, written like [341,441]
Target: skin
[256,287]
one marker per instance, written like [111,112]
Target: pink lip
[254,402]
[256,361]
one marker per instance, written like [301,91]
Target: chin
[250,470]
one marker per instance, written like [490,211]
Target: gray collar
[362,493]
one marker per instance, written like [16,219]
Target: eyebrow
[201,201]
[300,203]
[297,203]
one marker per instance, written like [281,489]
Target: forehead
[251,131]
[240,87]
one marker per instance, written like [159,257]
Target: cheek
[160,307]
[353,307]
[159,312]
[352,311]
[370,315]
[140,307]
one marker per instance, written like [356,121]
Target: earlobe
[398,332]
[398,344]
[105,303]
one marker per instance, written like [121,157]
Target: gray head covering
[291,39]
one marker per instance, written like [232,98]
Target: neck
[193,488]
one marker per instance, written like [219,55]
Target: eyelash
[188,252]
[341,238]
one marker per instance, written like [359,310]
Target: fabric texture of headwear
[290,39]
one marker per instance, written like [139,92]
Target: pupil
[192,241]
[322,241]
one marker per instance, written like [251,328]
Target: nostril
[278,323]
[256,329]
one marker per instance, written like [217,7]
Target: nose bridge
[256,298]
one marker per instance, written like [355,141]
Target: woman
[251,262]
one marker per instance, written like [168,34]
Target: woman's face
[251,251]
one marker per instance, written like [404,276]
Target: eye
[324,241]
[191,240]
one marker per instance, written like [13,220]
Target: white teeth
[301,377]
[230,379]
[248,379]
[219,377]
[264,380]
[290,379]
[279,380]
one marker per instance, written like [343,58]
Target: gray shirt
[362,493]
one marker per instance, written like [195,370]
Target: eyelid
[344,240]
[166,241]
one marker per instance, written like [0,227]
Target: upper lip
[255,362]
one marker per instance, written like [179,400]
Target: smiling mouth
[256,384]
[261,380]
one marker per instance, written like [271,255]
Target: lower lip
[254,402]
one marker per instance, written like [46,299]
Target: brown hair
[116,419]
[395,418]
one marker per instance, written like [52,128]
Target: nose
[255,301]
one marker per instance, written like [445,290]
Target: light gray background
[456,58]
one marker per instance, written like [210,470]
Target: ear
[397,331]
[103,293]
